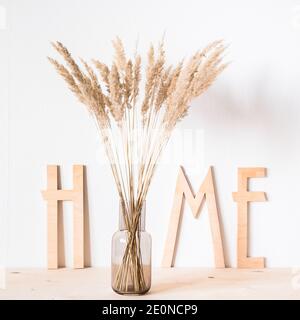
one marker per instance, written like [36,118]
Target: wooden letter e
[242,198]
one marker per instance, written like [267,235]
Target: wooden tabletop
[168,283]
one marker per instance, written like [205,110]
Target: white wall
[3,132]
[250,117]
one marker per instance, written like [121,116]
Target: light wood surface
[52,195]
[243,197]
[207,192]
[168,283]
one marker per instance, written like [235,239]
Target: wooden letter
[206,190]
[243,197]
[52,195]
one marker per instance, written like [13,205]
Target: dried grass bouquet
[135,117]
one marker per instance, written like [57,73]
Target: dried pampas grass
[135,127]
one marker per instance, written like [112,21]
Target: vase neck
[141,225]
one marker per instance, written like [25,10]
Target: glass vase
[131,255]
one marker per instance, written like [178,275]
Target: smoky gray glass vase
[131,255]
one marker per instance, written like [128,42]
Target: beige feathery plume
[95,87]
[158,72]
[115,96]
[149,80]
[153,74]
[68,78]
[208,70]
[136,78]
[63,51]
[164,84]
[120,57]
[104,72]
[128,83]
[150,58]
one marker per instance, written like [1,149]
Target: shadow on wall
[260,111]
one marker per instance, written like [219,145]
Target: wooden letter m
[207,191]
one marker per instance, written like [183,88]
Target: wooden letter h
[52,195]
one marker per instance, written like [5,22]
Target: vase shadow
[170,286]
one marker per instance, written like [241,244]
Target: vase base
[128,293]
